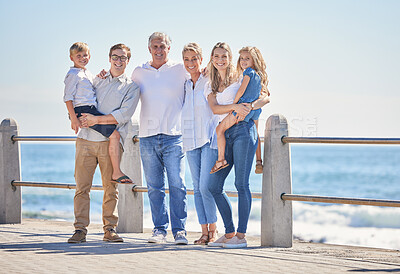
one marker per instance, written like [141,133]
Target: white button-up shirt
[79,87]
[161,97]
[117,96]
[197,117]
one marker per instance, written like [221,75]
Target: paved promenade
[39,246]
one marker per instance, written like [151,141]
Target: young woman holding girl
[254,82]
[241,144]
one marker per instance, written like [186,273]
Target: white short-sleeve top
[226,97]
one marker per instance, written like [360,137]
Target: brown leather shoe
[78,237]
[111,236]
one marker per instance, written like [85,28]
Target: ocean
[330,170]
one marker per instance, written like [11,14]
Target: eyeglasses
[116,57]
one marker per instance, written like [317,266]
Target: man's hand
[88,120]
[204,72]
[75,124]
[102,74]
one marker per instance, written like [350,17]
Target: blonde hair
[259,66]
[78,47]
[193,47]
[215,78]
[160,35]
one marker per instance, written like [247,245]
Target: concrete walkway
[39,246]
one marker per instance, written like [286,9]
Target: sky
[333,66]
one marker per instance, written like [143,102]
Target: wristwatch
[252,105]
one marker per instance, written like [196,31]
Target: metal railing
[276,228]
[15,138]
[135,188]
[339,140]
[340,200]
[254,195]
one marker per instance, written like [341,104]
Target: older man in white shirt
[161,85]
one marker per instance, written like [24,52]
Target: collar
[74,68]
[122,78]
[168,64]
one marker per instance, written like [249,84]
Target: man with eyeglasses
[117,97]
[161,85]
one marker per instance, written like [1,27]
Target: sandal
[219,165]
[212,235]
[259,167]
[202,241]
[123,180]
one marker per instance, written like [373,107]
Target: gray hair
[160,35]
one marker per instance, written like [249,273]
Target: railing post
[10,197]
[130,204]
[276,214]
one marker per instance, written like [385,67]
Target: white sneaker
[180,238]
[235,242]
[220,242]
[158,237]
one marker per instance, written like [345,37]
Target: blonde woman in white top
[198,127]
[241,144]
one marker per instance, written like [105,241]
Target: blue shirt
[251,93]
[253,89]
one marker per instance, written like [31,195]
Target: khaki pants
[88,154]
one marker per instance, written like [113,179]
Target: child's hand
[102,74]
[75,124]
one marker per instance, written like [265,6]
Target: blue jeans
[241,145]
[201,160]
[162,155]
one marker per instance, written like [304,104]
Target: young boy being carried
[79,96]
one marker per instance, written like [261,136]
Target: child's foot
[259,167]
[121,179]
[219,165]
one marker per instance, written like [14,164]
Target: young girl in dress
[255,81]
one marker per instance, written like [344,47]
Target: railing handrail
[285,139]
[254,195]
[340,140]
[135,188]
[15,138]
[340,200]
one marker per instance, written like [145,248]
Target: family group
[208,114]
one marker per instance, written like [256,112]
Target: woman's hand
[242,109]
[88,120]
[102,74]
